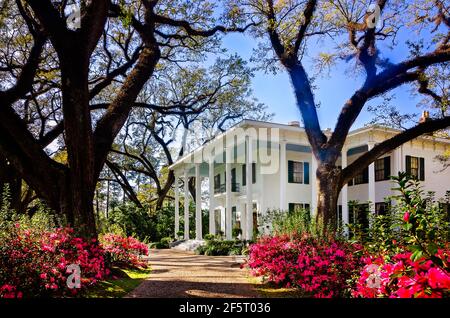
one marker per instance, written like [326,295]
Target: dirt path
[182,274]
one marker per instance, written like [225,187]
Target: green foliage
[416,221]
[236,232]
[163,243]
[43,219]
[129,220]
[293,223]
[425,223]
[214,246]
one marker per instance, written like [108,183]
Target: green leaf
[416,255]
[414,248]
[432,248]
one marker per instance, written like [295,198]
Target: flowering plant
[124,251]
[34,262]
[319,267]
[404,278]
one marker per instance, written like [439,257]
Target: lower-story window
[293,207]
[359,215]
[381,208]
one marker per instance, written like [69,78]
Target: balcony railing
[235,187]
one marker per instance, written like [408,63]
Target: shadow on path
[185,275]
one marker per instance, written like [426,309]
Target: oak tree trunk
[328,188]
[78,188]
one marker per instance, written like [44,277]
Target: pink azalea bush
[124,251]
[34,263]
[320,267]
[404,278]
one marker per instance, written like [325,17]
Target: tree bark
[76,200]
[165,190]
[328,188]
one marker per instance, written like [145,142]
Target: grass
[267,290]
[126,281]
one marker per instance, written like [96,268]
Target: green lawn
[127,280]
[267,290]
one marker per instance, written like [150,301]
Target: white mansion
[276,173]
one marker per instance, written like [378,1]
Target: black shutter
[233,176]
[253,172]
[387,168]
[408,165]
[244,175]
[290,171]
[366,175]
[422,169]
[291,207]
[306,172]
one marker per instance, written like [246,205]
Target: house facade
[259,166]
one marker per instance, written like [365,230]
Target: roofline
[266,124]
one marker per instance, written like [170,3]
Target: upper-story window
[383,169]
[362,177]
[298,172]
[217,181]
[415,167]
[244,173]
[382,172]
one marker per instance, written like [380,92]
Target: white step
[189,245]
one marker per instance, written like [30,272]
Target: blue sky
[276,92]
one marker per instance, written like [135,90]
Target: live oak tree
[186,101]
[67,68]
[290,30]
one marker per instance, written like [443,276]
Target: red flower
[406,217]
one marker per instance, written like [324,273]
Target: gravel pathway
[186,275]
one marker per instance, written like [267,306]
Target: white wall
[266,191]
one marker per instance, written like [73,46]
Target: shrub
[34,256]
[34,262]
[124,251]
[404,278]
[163,243]
[218,247]
[129,220]
[320,267]
[293,224]
[413,260]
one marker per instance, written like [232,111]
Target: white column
[249,175]
[371,182]
[212,218]
[177,207]
[344,191]
[186,205]
[283,176]
[228,213]
[313,180]
[198,203]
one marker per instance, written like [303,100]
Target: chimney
[294,123]
[425,117]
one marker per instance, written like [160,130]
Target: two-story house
[258,166]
